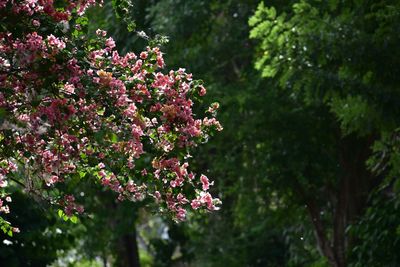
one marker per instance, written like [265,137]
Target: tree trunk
[352,193]
[128,252]
[349,199]
[104,258]
[340,223]
[323,242]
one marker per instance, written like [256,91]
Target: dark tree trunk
[353,189]
[104,258]
[349,199]
[322,241]
[340,223]
[128,251]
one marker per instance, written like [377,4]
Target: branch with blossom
[71,105]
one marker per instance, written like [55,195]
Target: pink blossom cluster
[75,107]
[35,7]
[6,167]
[70,206]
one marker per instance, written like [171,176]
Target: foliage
[334,60]
[332,53]
[41,236]
[377,234]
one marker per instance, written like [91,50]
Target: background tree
[336,61]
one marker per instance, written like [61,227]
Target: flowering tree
[71,106]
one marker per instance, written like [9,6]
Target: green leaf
[82,174]
[74,219]
[396,186]
[131,26]
[60,213]
[113,138]
[272,13]
[2,113]
[82,21]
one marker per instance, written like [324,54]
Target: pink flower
[213,108]
[101,165]
[53,179]
[55,42]
[207,199]
[5,209]
[105,181]
[131,187]
[202,90]
[195,204]
[157,195]
[35,23]
[205,182]
[181,199]
[69,198]
[69,88]
[110,43]
[160,61]
[116,58]
[191,176]
[130,111]
[181,214]
[143,55]
[3,183]
[79,209]
[101,33]
[102,174]
[34,41]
